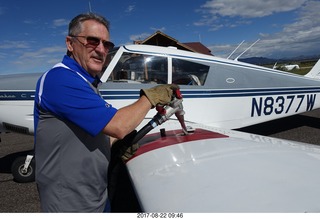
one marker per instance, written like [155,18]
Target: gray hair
[75,24]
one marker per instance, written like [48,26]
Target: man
[72,121]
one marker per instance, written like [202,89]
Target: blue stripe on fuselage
[192,93]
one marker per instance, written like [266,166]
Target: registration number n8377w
[269,105]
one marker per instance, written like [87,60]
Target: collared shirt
[68,96]
[71,152]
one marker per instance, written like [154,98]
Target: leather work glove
[161,94]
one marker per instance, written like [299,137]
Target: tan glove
[161,94]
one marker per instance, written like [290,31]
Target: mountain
[269,61]
[259,60]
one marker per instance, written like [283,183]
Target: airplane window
[188,73]
[138,68]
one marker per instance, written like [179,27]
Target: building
[161,39]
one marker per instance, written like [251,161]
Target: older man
[72,121]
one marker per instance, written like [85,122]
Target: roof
[199,47]
[161,39]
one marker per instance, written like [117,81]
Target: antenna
[235,49]
[89,7]
[246,50]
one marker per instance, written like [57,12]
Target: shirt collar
[72,64]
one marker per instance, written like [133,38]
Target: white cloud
[217,13]
[29,21]
[141,36]
[60,22]
[7,44]
[250,8]
[302,37]
[303,34]
[42,53]
[130,8]
[38,60]
[162,29]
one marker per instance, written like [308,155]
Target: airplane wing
[224,171]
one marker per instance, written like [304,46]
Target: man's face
[91,57]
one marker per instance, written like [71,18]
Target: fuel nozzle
[174,107]
[164,113]
[180,112]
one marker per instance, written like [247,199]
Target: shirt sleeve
[70,97]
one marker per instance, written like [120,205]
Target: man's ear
[69,42]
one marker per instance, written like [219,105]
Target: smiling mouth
[97,59]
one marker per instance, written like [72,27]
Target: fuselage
[217,92]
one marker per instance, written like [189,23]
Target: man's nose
[101,48]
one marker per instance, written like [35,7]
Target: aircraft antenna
[89,7]
[246,50]
[235,49]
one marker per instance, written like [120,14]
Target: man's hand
[161,94]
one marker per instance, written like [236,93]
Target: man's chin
[95,70]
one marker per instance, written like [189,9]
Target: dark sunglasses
[95,41]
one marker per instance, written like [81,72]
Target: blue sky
[33,32]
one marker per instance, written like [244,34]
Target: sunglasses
[95,41]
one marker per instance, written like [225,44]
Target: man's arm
[128,118]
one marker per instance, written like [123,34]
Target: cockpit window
[188,73]
[143,68]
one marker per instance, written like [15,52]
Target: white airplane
[291,67]
[287,67]
[212,167]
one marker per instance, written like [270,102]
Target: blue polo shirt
[66,93]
